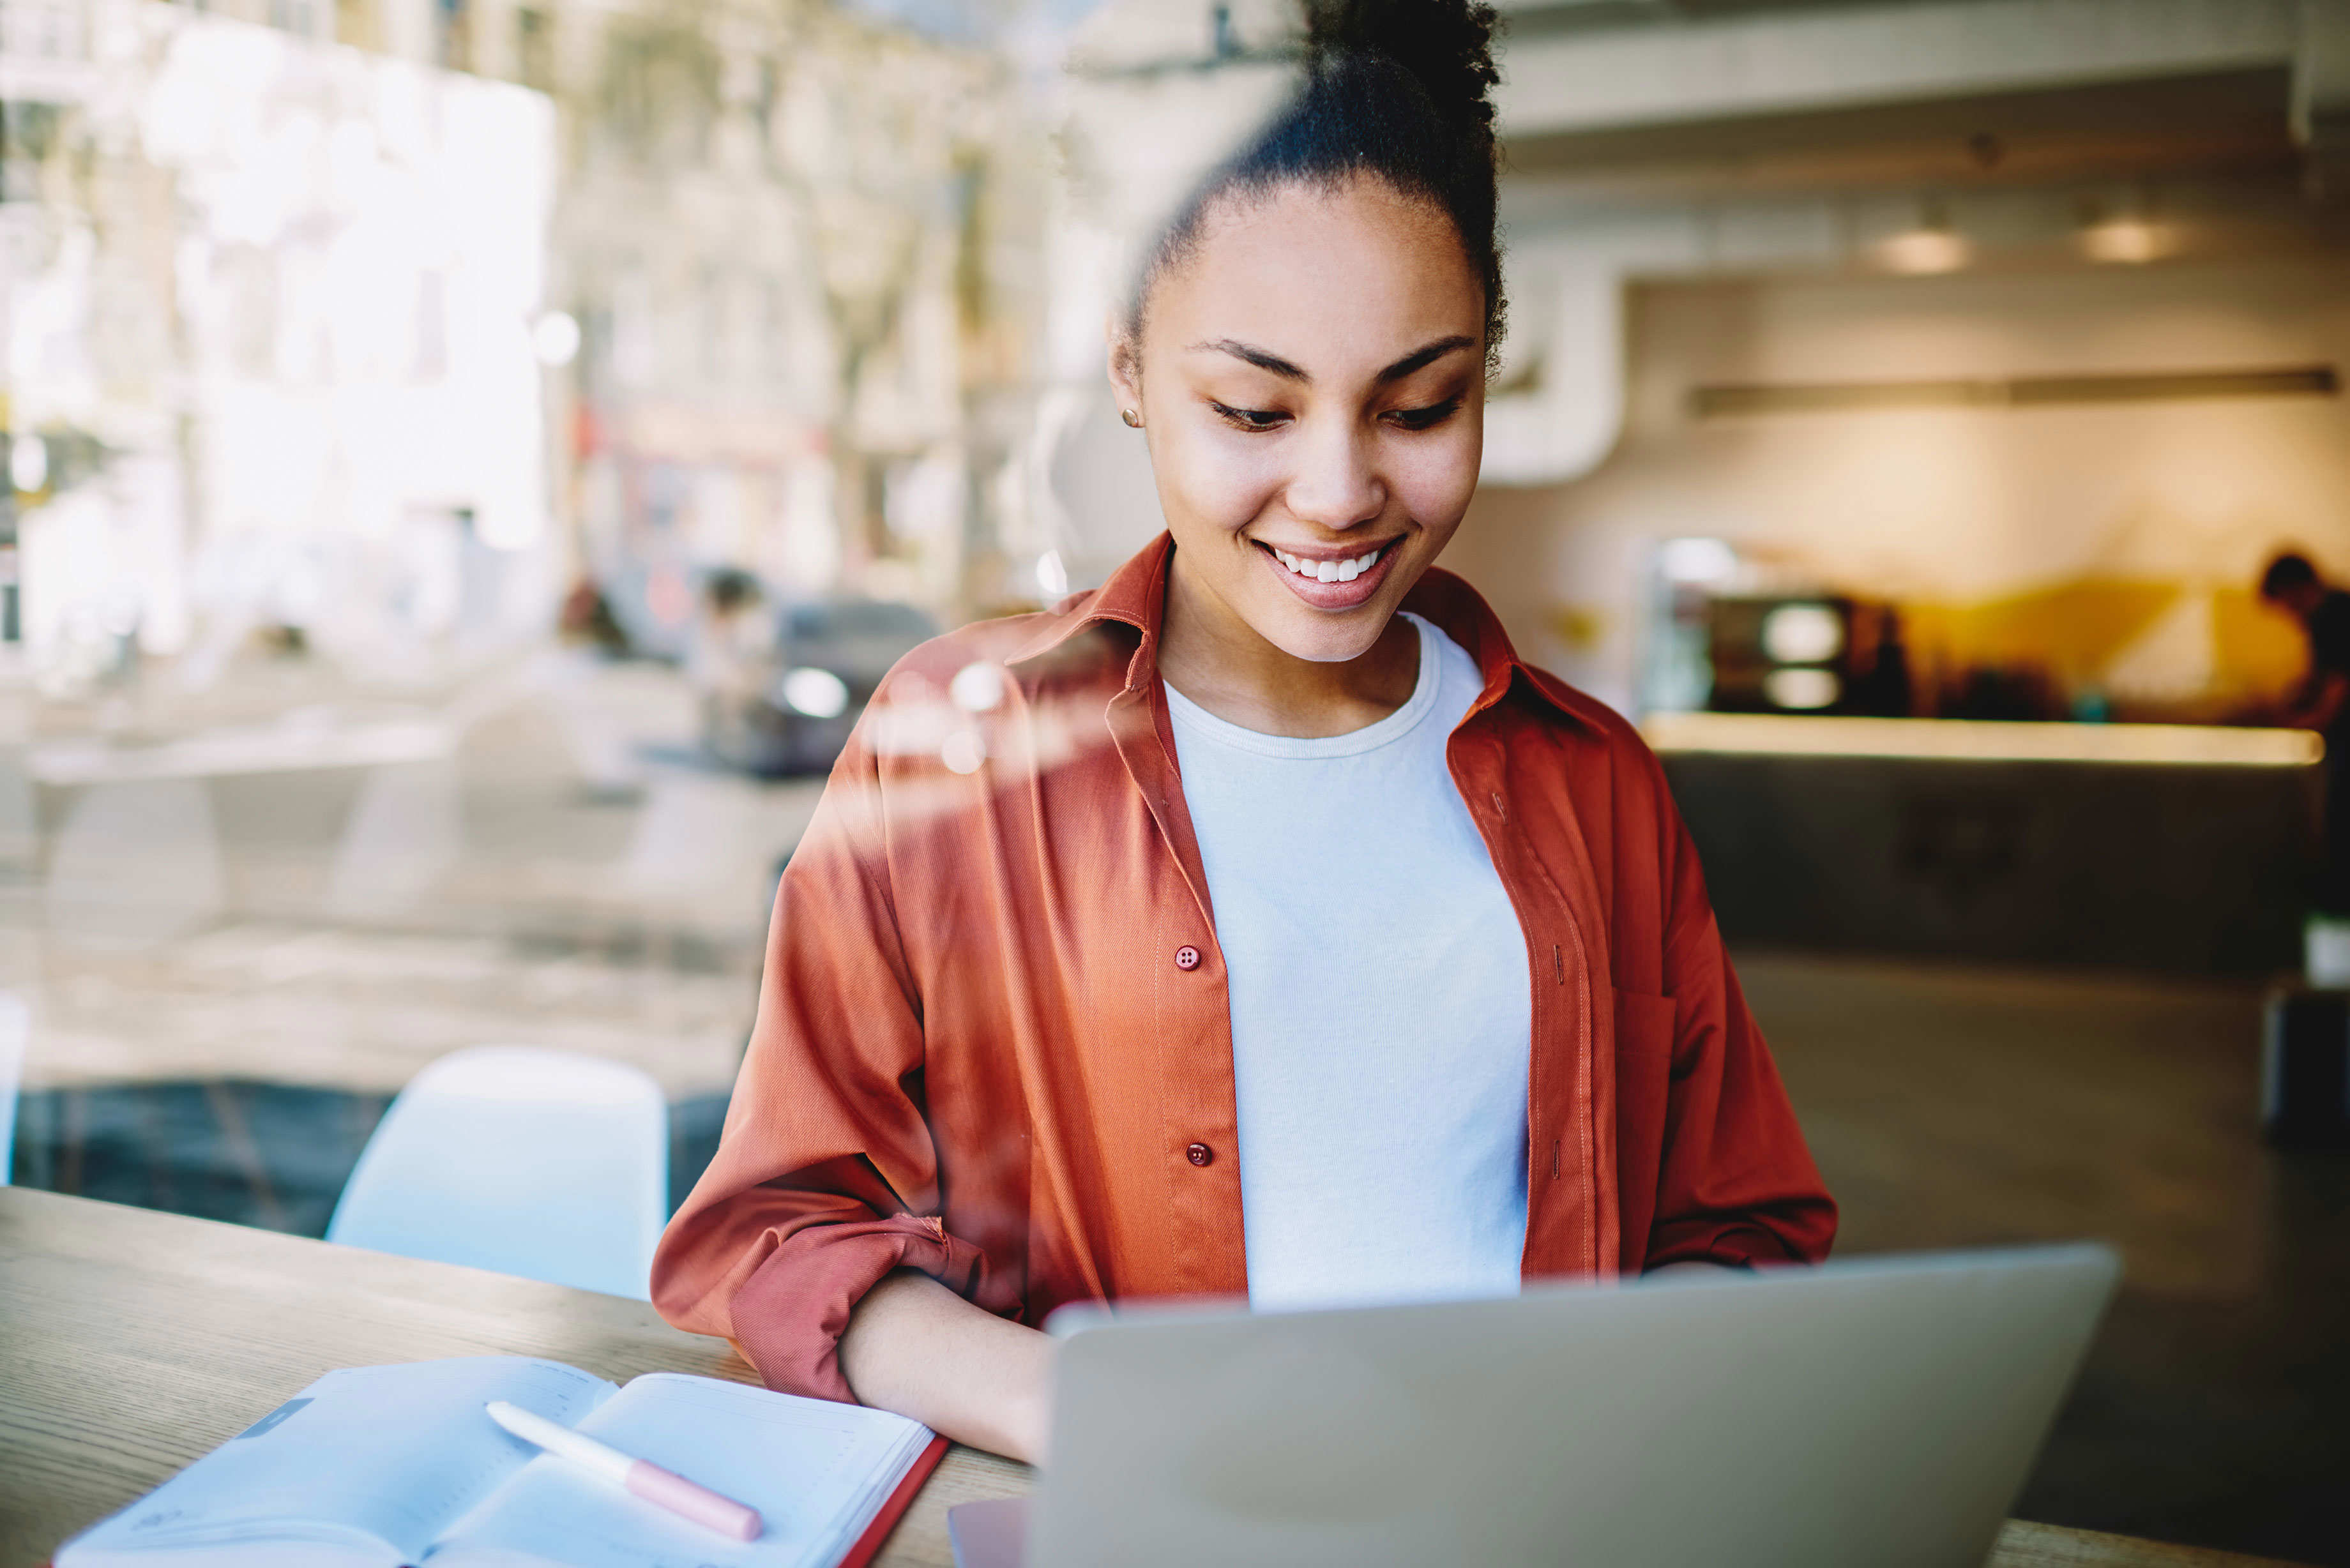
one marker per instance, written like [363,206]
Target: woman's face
[1312,384]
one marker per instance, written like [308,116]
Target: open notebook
[392,1465]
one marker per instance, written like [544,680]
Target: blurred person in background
[2322,702]
[587,619]
[1258,923]
[725,660]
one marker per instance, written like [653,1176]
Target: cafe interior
[1902,401]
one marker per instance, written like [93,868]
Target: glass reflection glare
[817,693]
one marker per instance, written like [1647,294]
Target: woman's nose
[1335,484]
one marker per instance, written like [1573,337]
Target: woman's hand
[916,1347]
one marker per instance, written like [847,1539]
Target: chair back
[16,1028]
[540,1163]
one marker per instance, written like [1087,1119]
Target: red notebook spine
[869,1545]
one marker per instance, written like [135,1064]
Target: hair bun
[1398,90]
[1446,45]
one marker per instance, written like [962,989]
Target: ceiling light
[1927,249]
[1930,245]
[2122,227]
[2126,241]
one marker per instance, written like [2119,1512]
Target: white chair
[533,1162]
[16,1026]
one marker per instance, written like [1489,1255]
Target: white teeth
[1345,571]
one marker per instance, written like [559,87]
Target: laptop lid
[1857,1414]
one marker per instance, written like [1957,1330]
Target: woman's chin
[1320,637]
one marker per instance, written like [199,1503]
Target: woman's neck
[1221,663]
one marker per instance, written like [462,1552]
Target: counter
[2177,848]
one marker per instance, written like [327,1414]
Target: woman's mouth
[1339,582]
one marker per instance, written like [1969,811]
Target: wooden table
[133,1342]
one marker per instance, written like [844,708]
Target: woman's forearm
[916,1347]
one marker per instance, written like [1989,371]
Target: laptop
[1850,1416]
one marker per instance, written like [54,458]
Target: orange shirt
[993,1040]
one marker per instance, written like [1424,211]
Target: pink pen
[647,1480]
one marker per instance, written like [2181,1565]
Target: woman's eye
[1422,419]
[1248,419]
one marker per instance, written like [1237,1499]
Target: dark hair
[1395,89]
[729,588]
[2288,572]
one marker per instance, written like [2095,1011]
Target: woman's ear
[1125,368]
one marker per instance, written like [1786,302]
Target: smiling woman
[1310,376]
[1269,927]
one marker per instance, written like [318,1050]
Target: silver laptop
[1859,1414]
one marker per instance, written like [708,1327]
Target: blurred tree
[770,223]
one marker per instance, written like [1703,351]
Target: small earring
[1133,420]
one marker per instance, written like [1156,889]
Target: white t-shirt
[1382,1017]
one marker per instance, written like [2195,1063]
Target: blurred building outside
[341,343]
[776,261]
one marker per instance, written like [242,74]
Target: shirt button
[1188,957]
[1200,1154]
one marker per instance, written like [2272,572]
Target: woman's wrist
[1029,1408]
[916,1347]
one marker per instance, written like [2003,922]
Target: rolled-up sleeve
[826,1178]
[1736,1185]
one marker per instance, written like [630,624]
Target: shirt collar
[1136,596]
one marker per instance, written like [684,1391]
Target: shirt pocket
[1644,1067]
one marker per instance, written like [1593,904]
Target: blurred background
[467,461]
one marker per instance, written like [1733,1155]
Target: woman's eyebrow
[1418,358]
[1264,359]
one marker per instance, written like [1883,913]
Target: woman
[1257,922]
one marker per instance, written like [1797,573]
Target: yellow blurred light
[1802,634]
[1929,248]
[1802,687]
[2126,241]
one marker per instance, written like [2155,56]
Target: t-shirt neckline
[1384,731]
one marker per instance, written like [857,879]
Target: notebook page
[815,1469]
[395,1453]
